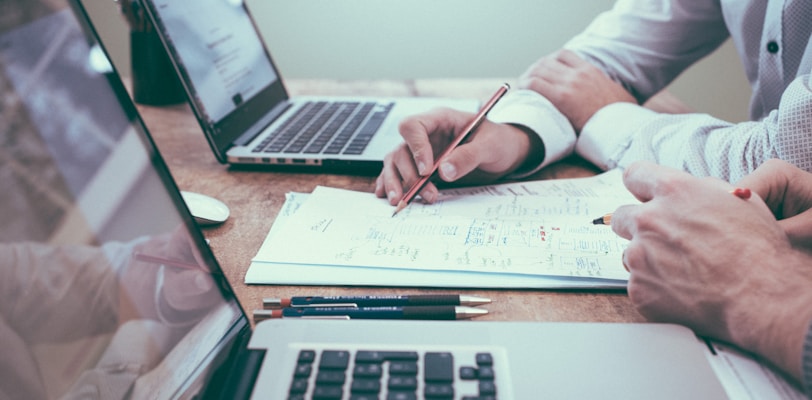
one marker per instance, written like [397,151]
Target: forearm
[620,134]
[775,323]
[644,46]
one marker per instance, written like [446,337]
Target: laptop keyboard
[391,375]
[328,128]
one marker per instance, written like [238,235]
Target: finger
[428,134]
[570,59]
[623,221]
[799,229]
[786,189]
[645,179]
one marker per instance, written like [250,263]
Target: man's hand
[493,151]
[719,264]
[787,190]
[577,88]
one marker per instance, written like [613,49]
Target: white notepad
[526,234]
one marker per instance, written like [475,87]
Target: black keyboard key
[485,373]
[403,368]
[364,396]
[487,388]
[439,367]
[298,386]
[328,393]
[468,373]
[365,386]
[484,359]
[306,356]
[327,377]
[402,383]
[331,359]
[439,391]
[368,370]
[366,356]
[401,395]
[302,370]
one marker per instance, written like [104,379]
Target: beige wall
[356,39]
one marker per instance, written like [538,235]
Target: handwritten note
[531,228]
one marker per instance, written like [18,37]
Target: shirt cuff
[534,112]
[608,134]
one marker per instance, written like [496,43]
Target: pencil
[470,128]
[742,193]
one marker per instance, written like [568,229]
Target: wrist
[532,151]
[773,323]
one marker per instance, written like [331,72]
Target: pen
[407,312]
[470,128]
[375,301]
[742,193]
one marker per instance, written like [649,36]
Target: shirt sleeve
[533,111]
[644,45]
[622,133]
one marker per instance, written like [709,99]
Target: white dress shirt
[645,44]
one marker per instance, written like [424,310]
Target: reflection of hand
[170,283]
[721,265]
[787,190]
[575,87]
[493,151]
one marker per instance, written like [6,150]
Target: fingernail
[391,195]
[430,197]
[421,168]
[449,172]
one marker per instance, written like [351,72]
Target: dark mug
[154,79]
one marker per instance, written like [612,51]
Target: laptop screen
[219,34]
[223,64]
[107,289]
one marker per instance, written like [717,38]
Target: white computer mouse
[206,210]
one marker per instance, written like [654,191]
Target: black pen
[375,301]
[407,312]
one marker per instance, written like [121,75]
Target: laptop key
[438,391]
[365,386]
[487,388]
[331,359]
[397,383]
[328,393]
[399,395]
[439,367]
[366,356]
[403,368]
[328,377]
[368,370]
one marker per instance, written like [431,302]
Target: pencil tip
[400,207]
[597,221]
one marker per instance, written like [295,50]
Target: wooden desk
[255,198]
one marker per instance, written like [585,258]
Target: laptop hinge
[234,378]
[260,126]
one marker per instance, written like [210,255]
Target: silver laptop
[244,109]
[110,291]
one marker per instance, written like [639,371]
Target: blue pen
[375,301]
[407,312]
